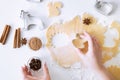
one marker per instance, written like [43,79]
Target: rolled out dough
[67,55]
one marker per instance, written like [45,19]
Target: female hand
[28,76]
[91,59]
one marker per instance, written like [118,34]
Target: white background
[11,59]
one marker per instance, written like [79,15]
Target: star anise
[24,41]
[87,21]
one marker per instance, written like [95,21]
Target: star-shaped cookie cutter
[29,20]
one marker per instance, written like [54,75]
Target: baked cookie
[35,43]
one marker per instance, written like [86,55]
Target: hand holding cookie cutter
[30,20]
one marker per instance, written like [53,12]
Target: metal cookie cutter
[104,8]
[29,20]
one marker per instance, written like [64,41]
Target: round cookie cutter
[103,7]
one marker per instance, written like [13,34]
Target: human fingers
[27,71]
[41,78]
[46,72]
[89,39]
[82,36]
[31,77]
[97,49]
[24,72]
[45,69]
[96,43]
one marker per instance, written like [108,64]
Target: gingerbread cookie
[35,43]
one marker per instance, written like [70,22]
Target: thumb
[24,72]
[45,70]
[31,77]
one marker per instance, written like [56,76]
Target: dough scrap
[54,8]
[116,25]
[115,71]
[114,50]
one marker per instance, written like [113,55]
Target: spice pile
[35,64]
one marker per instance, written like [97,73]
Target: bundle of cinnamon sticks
[5,34]
[17,38]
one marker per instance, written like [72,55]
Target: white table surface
[11,59]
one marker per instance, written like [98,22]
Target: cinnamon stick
[18,38]
[15,40]
[6,34]
[3,34]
